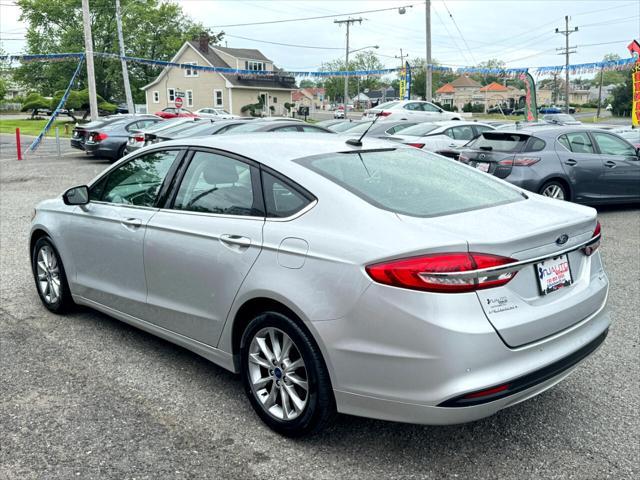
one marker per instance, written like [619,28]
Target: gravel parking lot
[85,396]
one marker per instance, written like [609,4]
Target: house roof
[494,87]
[446,88]
[214,60]
[464,81]
[250,53]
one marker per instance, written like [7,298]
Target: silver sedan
[370,279]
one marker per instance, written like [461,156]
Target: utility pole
[566,51]
[125,72]
[428,94]
[88,49]
[348,22]
[600,93]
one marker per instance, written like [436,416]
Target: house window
[189,94]
[190,72]
[217,98]
[254,65]
[275,99]
[156,96]
[171,94]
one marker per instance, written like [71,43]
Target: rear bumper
[77,143]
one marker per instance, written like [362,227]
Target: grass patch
[34,127]
[497,116]
[595,119]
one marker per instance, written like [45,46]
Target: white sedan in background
[438,136]
[412,110]
[216,113]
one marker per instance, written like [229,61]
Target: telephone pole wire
[566,51]
[125,72]
[88,49]
[348,22]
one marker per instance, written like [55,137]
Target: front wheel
[285,377]
[50,277]
[554,189]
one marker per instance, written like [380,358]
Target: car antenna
[358,142]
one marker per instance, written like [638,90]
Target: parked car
[631,136]
[560,119]
[501,110]
[412,110]
[569,163]
[81,132]
[435,137]
[150,138]
[110,141]
[347,125]
[555,109]
[172,112]
[379,130]
[217,113]
[136,139]
[280,127]
[339,112]
[518,111]
[334,277]
[200,129]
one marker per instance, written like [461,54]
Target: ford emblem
[562,239]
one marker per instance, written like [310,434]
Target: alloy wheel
[278,374]
[554,191]
[48,274]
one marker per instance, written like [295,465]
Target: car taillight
[591,247]
[384,114]
[138,138]
[443,272]
[417,145]
[98,137]
[463,158]
[519,161]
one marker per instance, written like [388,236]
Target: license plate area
[553,274]
[482,166]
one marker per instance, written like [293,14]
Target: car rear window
[343,127]
[420,129]
[500,142]
[412,182]
[387,105]
[170,132]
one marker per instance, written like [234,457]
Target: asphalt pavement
[86,396]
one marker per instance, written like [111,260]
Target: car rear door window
[136,182]
[500,142]
[464,132]
[580,142]
[290,128]
[611,145]
[535,145]
[412,182]
[312,129]
[214,183]
[413,106]
[281,198]
[427,107]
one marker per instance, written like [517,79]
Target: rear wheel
[285,377]
[555,189]
[50,277]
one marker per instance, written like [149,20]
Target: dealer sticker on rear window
[553,274]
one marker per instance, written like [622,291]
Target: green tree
[3,88]
[334,87]
[152,29]
[418,76]
[35,102]
[78,102]
[622,95]
[306,83]
[611,77]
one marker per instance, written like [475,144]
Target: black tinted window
[281,198]
[500,142]
[535,145]
[412,182]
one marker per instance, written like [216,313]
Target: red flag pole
[18,146]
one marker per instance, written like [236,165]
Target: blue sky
[465,32]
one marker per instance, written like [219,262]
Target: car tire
[291,391]
[555,189]
[50,276]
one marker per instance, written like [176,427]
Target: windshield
[412,182]
[499,142]
[178,128]
[221,112]
[156,127]
[249,127]
[419,130]
[360,127]
[195,128]
[343,127]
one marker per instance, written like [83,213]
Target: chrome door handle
[131,222]
[571,162]
[235,240]
[609,164]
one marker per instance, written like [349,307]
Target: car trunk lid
[494,152]
[536,231]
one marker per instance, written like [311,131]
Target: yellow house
[201,89]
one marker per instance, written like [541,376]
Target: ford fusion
[371,279]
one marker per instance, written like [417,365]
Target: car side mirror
[76,195]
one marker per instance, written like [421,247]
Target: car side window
[214,183]
[281,198]
[481,129]
[579,142]
[535,145]
[610,145]
[136,182]
[412,106]
[564,141]
[290,128]
[312,129]
[427,107]
[464,132]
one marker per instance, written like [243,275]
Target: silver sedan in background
[370,279]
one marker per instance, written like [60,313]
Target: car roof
[550,130]
[273,149]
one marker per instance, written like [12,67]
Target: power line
[283,44]
[459,31]
[311,18]
[451,36]
[609,22]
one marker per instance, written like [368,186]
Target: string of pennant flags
[591,67]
